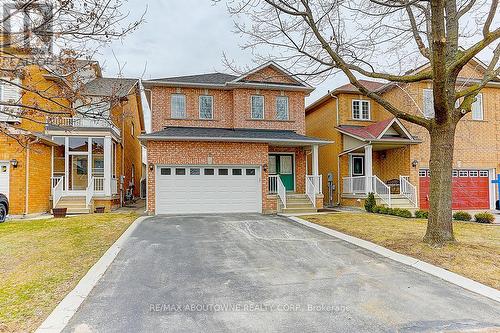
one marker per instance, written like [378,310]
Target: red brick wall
[231,109]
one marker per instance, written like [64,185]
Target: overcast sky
[182,37]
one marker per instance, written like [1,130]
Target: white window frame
[211,106]
[263,107]
[287,108]
[361,101]
[484,173]
[429,114]
[422,173]
[184,113]
[473,173]
[478,103]
[463,173]
[454,173]
[354,157]
[8,117]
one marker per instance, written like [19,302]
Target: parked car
[4,207]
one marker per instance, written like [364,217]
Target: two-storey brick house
[57,157]
[225,143]
[374,152]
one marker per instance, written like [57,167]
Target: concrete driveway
[254,273]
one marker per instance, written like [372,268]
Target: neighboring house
[71,161]
[225,143]
[374,152]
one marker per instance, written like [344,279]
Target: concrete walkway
[254,273]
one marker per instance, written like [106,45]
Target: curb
[63,312]
[441,273]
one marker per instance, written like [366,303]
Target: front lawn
[42,260]
[475,254]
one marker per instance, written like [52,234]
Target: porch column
[368,168]
[107,166]
[315,163]
[315,169]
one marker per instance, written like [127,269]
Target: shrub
[422,214]
[370,203]
[402,213]
[383,210]
[376,209]
[390,211]
[462,216]
[484,217]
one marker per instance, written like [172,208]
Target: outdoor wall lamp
[264,167]
[151,167]
[414,163]
[14,163]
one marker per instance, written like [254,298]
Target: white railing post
[281,191]
[272,184]
[90,192]
[381,190]
[408,190]
[57,190]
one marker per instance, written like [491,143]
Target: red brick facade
[231,109]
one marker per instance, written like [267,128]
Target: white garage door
[197,189]
[4,178]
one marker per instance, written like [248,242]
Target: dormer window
[257,107]
[178,106]
[361,110]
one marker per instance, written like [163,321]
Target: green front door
[282,165]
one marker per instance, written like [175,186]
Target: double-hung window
[477,108]
[257,102]
[206,107]
[361,110]
[178,106]
[282,108]
[428,104]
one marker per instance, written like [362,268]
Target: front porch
[84,173]
[288,181]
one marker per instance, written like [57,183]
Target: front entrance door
[282,165]
[357,165]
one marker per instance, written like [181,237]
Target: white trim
[492,188]
[229,139]
[401,126]
[361,101]
[276,66]
[7,163]
[212,107]
[423,266]
[351,161]
[263,107]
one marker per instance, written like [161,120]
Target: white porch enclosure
[83,166]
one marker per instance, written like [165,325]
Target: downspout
[338,166]
[122,190]
[336,107]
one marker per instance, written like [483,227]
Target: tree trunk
[439,226]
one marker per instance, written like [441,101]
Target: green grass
[475,254]
[42,260]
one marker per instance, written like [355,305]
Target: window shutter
[9,93]
[428,104]
[477,108]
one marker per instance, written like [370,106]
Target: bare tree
[388,40]
[56,39]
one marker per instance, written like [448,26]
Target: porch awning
[277,137]
[386,131]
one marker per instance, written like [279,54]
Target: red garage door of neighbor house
[471,189]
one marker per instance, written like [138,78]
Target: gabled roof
[378,131]
[210,78]
[109,87]
[229,81]
[348,89]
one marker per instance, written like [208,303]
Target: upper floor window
[477,108]
[10,93]
[178,106]
[282,108]
[428,103]
[361,109]
[257,107]
[206,107]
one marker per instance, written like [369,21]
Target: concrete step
[78,211]
[299,210]
[299,202]
[69,198]
[296,196]
[299,205]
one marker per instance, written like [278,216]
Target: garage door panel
[470,190]
[208,193]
